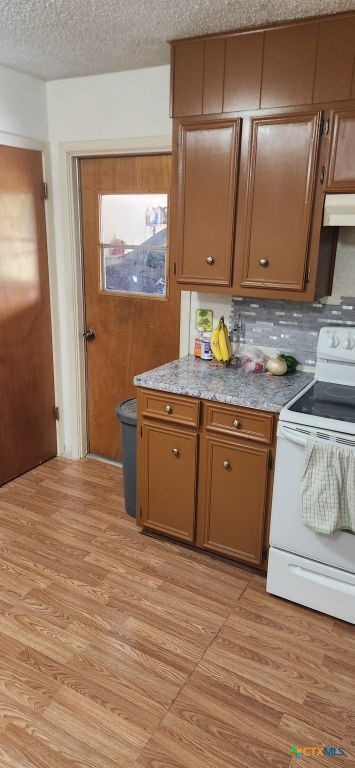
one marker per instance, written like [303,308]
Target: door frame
[74,423]
[23,142]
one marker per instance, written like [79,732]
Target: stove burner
[337,391]
[329,401]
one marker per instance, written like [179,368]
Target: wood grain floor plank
[32,733]
[119,649]
[111,692]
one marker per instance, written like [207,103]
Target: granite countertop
[196,378]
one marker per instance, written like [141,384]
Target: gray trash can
[127,414]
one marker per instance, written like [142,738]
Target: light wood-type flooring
[119,649]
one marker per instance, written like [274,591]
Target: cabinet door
[335,60]
[242,72]
[187,78]
[233,497]
[341,173]
[288,65]
[207,182]
[168,478]
[280,183]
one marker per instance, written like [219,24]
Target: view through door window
[133,243]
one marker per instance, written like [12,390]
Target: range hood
[339,211]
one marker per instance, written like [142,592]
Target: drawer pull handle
[176,452]
[264,263]
[237,424]
[226,465]
[210,260]
[168,409]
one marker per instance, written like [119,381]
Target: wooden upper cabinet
[206,191]
[341,169]
[168,480]
[213,75]
[233,494]
[297,64]
[281,176]
[289,65]
[335,60]
[242,78]
[187,78]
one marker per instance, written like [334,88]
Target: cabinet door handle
[237,424]
[226,465]
[168,409]
[210,260]
[176,452]
[264,263]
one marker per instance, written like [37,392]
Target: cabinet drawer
[171,408]
[230,420]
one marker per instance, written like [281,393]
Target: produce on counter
[276,366]
[220,343]
[253,360]
[290,361]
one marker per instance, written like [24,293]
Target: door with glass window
[132,306]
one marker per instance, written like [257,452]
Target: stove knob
[333,341]
[348,343]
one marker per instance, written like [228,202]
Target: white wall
[117,105]
[23,107]
[94,110]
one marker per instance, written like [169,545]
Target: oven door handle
[292,436]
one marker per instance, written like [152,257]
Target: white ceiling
[66,38]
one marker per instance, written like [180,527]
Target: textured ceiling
[65,38]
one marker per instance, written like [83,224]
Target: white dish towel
[328,488]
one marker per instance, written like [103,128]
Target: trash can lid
[127,411]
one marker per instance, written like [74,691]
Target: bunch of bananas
[220,344]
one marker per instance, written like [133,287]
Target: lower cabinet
[207,482]
[168,478]
[233,481]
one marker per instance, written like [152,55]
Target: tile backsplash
[289,326]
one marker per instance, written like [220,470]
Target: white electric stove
[306,567]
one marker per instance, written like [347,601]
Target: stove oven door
[287,530]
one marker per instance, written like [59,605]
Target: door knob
[176,452]
[264,263]
[210,260]
[226,465]
[89,335]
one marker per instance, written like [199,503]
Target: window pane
[132,219]
[133,238]
[135,270]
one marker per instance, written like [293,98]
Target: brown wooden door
[341,168]
[233,495]
[27,406]
[281,177]
[206,191]
[135,331]
[169,468]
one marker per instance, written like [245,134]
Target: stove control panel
[337,344]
